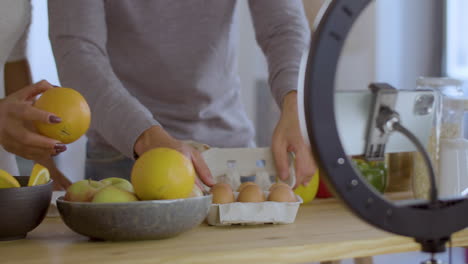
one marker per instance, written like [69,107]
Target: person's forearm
[61,182]
[78,34]
[17,76]
[117,115]
[289,102]
[283,34]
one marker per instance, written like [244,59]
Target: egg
[251,194]
[276,184]
[282,194]
[222,193]
[243,185]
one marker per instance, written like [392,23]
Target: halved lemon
[7,181]
[39,175]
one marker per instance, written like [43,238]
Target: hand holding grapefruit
[162,174]
[73,110]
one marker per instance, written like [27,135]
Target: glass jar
[400,171]
[447,126]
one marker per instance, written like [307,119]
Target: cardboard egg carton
[235,166]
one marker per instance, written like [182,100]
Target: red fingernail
[60,147]
[55,119]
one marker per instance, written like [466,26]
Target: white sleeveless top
[15,17]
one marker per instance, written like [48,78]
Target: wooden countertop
[324,230]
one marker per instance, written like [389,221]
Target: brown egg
[282,194]
[222,193]
[243,185]
[251,194]
[276,184]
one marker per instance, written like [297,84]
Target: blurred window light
[457,39]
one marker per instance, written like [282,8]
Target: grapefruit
[71,107]
[162,174]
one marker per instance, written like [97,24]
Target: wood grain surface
[323,231]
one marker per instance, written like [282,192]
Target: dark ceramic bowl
[142,220]
[23,209]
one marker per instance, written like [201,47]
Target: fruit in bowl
[166,201]
[39,175]
[83,191]
[163,174]
[119,183]
[142,220]
[113,213]
[24,201]
[110,190]
[159,174]
[113,194]
[7,181]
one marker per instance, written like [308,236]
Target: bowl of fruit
[161,201]
[24,201]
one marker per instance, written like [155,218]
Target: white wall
[252,63]
[253,73]
[408,41]
[357,64]
[39,49]
[393,41]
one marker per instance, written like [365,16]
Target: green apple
[83,191]
[112,194]
[119,183]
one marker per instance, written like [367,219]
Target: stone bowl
[142,220]
[23,209]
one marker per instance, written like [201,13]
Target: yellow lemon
[7,181]
[308,193]
[71,107]
[163,173]
[39,175]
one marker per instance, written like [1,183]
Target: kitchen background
[393,41]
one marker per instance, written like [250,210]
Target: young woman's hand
[16,115]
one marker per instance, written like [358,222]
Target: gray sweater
[172,63]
